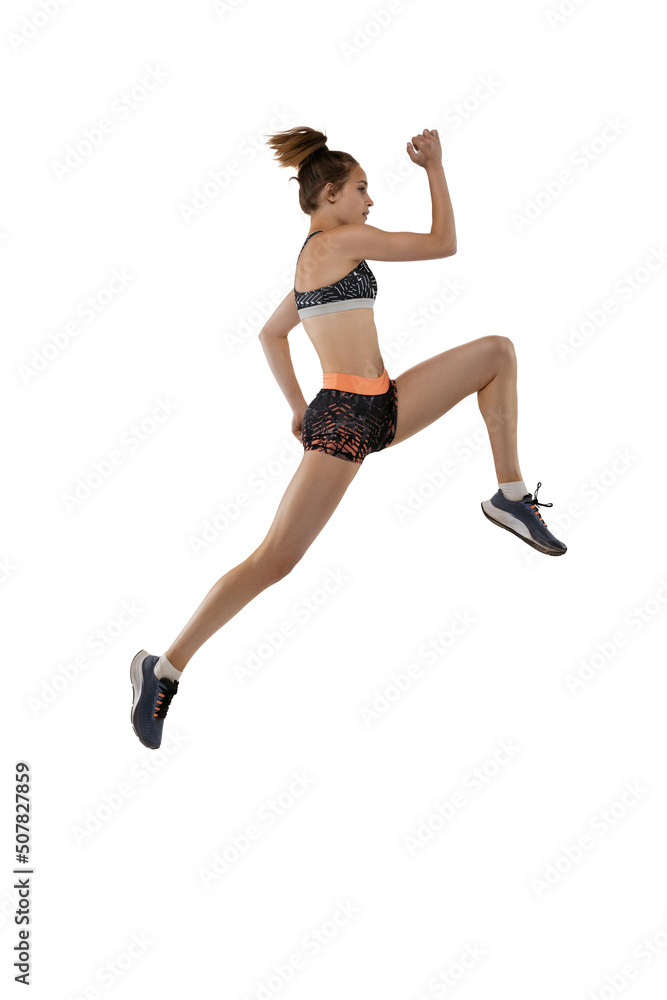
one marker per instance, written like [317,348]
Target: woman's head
[331,182]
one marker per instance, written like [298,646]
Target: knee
[282,569]
[272,567]
[503,348]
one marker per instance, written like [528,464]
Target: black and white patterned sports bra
[356,290]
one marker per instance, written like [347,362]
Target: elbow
[445,247]
[268,333]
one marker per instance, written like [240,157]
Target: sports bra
[356,290]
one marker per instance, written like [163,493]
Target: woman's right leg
[310,499]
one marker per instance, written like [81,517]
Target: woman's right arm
[360,241]
[443,226]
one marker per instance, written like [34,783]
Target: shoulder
[339,241]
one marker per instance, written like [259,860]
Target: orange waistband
[356,383]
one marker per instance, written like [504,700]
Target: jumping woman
[359,409]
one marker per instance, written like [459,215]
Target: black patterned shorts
[350,425]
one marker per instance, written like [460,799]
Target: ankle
[514,490]
[165,667]
[177,659]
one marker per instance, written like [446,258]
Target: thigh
[339,423]
[314,492]
[435,385]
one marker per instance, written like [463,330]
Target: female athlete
[359,410]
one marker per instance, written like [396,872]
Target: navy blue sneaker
[524,520]
[152,697]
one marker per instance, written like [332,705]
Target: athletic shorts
[351,416]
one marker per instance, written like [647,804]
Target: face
[353,201]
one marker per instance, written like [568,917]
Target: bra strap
[314,234]
[308,237]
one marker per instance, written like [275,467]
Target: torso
[344,341]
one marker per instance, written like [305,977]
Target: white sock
[163,668]
[514,491]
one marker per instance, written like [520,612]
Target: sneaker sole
[524,538]
[137,678]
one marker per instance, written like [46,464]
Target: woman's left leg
[486,366]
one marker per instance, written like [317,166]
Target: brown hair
[307,149]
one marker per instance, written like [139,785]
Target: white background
[120,834]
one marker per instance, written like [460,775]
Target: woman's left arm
[278,355]
[284,318]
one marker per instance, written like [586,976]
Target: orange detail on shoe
[356,383]
[538,514]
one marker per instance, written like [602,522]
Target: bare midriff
[346,342]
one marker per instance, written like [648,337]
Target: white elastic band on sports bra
[327,307]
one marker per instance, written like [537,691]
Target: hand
[425,149]
[297,422]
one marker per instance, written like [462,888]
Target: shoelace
[534,503]
[166,691]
